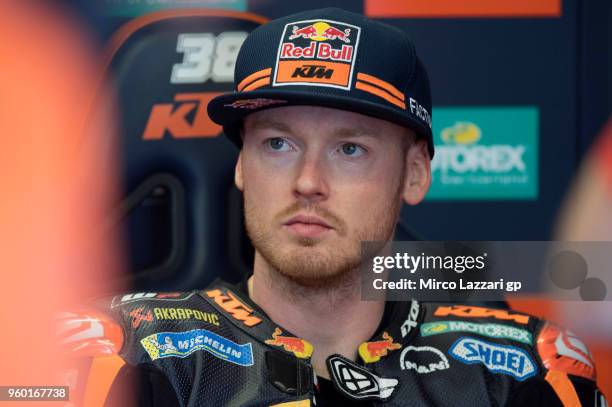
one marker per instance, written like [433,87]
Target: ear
[417,178]
[238,180]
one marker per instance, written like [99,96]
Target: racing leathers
[215,347]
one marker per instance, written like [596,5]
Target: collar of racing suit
[397,327]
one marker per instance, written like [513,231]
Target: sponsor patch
[230,303]
[256,103]
[317,53]
[465,311]
[561,350]
[299,347]
[423,359]
[171,314]
[358,383]
[485,153]
[372,351]
[182,344]
[135,297]
[491,330]
[138,316]
[506,359]
[411,321]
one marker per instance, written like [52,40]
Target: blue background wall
[561,66]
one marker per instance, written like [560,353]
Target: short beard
[304,266]
[322,269]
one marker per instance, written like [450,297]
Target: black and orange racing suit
[216,348]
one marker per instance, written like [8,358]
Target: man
[332,118]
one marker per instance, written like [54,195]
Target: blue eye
[352,150]
[278,144]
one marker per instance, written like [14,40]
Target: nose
[310,183]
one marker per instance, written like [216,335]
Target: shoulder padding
[89,333]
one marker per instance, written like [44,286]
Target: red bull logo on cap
[317,53]
[372,351]
[299,347]
[320,31]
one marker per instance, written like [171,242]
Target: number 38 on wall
[206,56]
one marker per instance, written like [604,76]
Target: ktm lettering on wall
[173,118]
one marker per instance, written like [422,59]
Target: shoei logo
[506,359]
[485,152]
[317,53]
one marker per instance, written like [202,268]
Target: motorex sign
[485,153]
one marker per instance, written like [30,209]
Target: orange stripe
[381,84]
[563,387]
[465,8]
[129,28]
[255,75]
[379,92]
[298,403]
[101,376]
[257,84]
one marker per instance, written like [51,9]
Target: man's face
[316,182]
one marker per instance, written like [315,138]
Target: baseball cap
[333,58]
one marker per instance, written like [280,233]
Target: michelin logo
[510,360]
[182,344]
